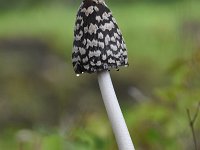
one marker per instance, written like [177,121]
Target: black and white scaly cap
[98,42]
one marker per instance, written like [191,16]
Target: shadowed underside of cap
[98,42]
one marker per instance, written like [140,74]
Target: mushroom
[98,47]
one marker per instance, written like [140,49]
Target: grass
[52,24]
[51,139]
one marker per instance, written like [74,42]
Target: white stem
[114,112]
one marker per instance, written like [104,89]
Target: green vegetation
[44,106]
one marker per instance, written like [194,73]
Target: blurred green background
[44,106]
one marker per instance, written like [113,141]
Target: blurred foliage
[16,4]
[44,106]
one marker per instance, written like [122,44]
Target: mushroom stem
[115,115]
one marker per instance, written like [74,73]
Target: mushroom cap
[98,43]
